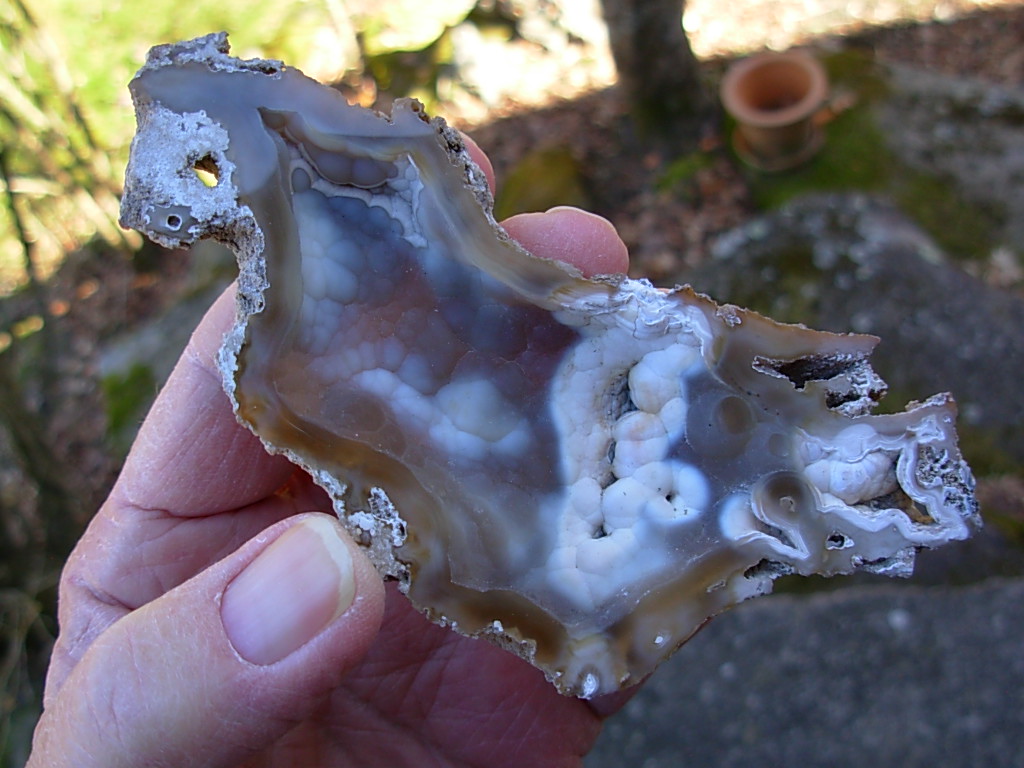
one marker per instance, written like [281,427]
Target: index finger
[195,486]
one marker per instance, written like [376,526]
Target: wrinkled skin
[144,672]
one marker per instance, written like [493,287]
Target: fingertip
[209,334]
[574,236]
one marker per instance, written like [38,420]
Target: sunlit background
[66,118]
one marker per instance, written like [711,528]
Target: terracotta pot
[774,98]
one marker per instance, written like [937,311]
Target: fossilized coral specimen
[582,470]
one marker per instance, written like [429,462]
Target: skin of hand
[216,614]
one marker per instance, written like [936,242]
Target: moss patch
[963,229]
[853,158]
[785,287]
[682,170]
[128,395]
[544,178]
[984,451]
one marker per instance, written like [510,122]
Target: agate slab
[583,471]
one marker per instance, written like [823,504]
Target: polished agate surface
[583,471]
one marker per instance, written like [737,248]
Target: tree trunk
[657,68]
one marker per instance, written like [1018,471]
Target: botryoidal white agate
[583,471]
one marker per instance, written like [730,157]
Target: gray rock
[965,130]
[882,676]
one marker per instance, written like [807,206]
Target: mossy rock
[854,262]
[856,157]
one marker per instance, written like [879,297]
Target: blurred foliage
[66,119]
[65,115]
[58,180]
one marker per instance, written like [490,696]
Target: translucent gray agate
[583,471]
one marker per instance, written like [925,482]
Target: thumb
[225,664]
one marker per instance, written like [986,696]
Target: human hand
[212,616]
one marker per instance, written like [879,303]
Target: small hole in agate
[206,171]
[835,541]
[173,222]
